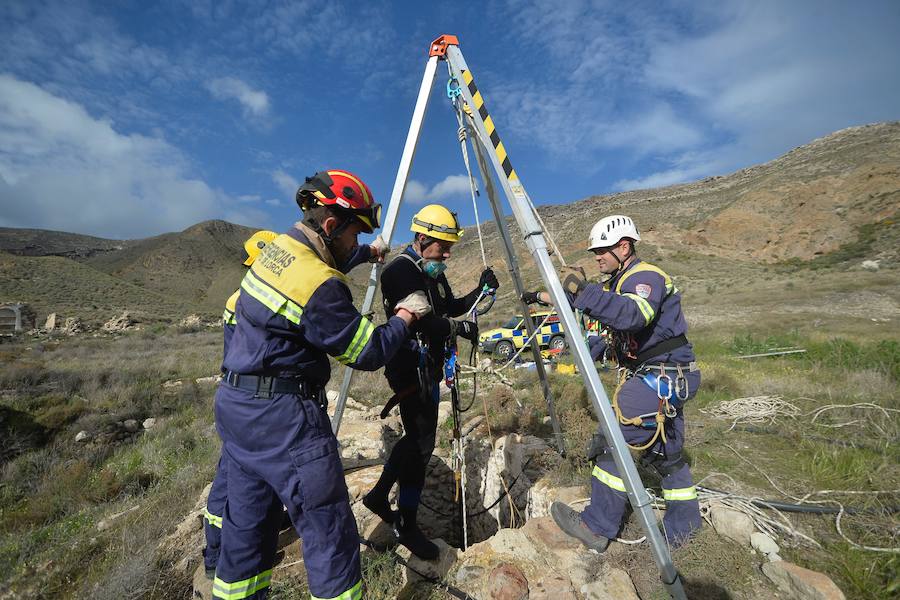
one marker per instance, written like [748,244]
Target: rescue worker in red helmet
[641,307]
[215,502]
[294,311]
[416,370]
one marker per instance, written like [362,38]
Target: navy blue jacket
[643,307]
[295,309]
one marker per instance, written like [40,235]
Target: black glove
[531,298]
[489,279]
[467,330]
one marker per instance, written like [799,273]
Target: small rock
[615,584]
[868,265]
[332,396]
[437,568]
[72,326]
[131,426]
[82,436]
[50,323]
[552,587]
[207,380]
[149,423]
[191,321]
[468,575]
[801,584]
[763,543]
[507,582]
[731,523]
[202,585]
[172,384]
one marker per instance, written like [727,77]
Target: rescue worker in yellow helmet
[294,311]
[415,371]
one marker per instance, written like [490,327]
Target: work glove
[488,279]
[574,279]
[380,250]
[416,303]
[531,298]
[465,329]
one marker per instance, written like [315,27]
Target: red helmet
[343,192]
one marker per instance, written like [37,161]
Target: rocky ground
[515,551]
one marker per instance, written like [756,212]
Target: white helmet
[609,230]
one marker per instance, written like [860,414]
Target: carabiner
[663,386]
[453,89]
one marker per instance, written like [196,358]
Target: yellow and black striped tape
[499,150]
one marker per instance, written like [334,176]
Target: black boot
[409,534]
[570,522]
[377,498]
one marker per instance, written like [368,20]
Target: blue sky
[129,119]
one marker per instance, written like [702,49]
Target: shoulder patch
[643,290]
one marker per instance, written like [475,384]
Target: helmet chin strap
[621,262]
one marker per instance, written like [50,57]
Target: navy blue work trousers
[606,511]
[281,451]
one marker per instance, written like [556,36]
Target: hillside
[832,202]
[200,266]
[160,278]
[41,242]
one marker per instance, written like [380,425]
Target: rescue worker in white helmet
[215,502]
[294,311]
[416,370]
[658,374]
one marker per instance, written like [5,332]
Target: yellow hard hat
[255,243]
[438,222]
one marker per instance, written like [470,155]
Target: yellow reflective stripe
[643,267]
[645,307]
[212,519]
[271,298]
[228,318]
[243,588]
[354,593]
[608,479]
[359,341]
[689,493]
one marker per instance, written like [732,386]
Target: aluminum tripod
[487,144]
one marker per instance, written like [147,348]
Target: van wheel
[558,342]
[503,350]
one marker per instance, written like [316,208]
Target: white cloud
[285,182]
[254,103]
[63,169]
[689,90]
[450,188]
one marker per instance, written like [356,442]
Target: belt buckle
[264,387]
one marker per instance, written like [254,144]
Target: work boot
[570,522]
[409,535]
[380,506]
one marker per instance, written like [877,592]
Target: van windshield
[513,323]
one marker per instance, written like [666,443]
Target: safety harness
[671,392]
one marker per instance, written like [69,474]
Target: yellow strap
[636,421]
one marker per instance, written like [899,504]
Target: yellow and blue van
[504,341]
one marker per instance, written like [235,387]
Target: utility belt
[264,387]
